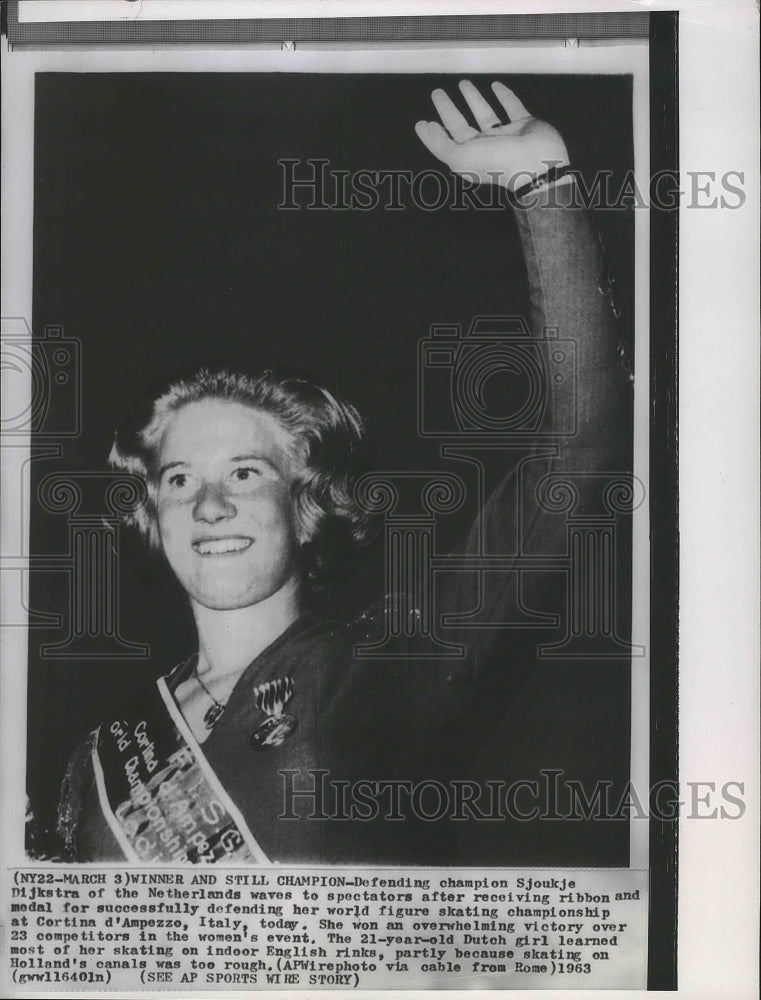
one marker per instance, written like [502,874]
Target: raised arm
[567,287]
[568,292]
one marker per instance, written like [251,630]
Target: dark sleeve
[586,430]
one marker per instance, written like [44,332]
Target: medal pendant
[273,732]
[212,715]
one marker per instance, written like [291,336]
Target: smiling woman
[249,479]
[288,428]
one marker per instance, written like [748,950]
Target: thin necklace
[215,710]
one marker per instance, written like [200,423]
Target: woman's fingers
[453,121]
[483,112]
[514,106]
[486,117]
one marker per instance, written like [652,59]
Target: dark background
[158,242]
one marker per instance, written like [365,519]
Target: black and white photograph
[392,442]
[343,556]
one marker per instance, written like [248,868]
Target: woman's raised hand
[510,153]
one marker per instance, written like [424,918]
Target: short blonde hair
[329,450]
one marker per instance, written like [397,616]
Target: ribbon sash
[160,796]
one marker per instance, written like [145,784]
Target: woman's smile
[229,545]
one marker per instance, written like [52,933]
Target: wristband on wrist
[553,175]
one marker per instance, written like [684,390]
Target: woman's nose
[213,504]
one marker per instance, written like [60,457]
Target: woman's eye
[245,475]
[179,482]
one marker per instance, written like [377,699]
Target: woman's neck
[229,640]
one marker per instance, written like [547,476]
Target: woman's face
[226,516]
